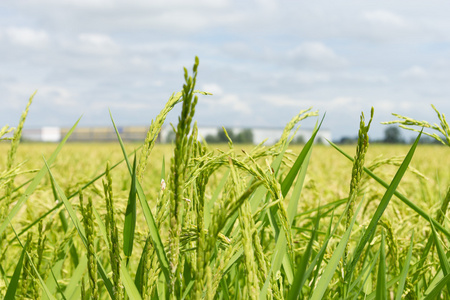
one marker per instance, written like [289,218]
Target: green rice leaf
[366,274]
[132,291]
[233,260]
[209,205]
[36,221]
[317,261]
[404,273]
[330,269]
[33,185]
[138,278]
[188,289]
[130,216]
[381,278]
[438,288]
[445,265]
[76,222]
[380,210]
[36,273]
[280,256]
[405,200]
[300,278]
[154,232]
[14,283]
[290,177]
[389,285]
[73,289]
[100,224]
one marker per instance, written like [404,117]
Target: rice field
[198,221]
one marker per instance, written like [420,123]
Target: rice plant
[224,222]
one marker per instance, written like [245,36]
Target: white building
[138,134]
[44,134]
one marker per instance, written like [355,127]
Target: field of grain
[197,221]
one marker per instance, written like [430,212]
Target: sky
[264,61]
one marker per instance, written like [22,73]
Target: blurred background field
[327,179]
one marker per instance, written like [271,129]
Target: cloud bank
[264,61]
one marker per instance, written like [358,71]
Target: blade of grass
[153,229]
[381,278]
[290,177]
[366,286]
[405,200]
[74,284]
[300,278]
[57,267]
[188,289]
[138,278]
[36,221]
[210,204]
[18,188]
[128,283]
[380,210]
[130,217]
[317,261]
[389,284]
[59,289]
[404,273]
[279,257]
[76,222]
[33,185]
[14,283]
[41,281]
[445,265]
[438,288]
[277,260]
[333,205]
[330,269]
[234,259]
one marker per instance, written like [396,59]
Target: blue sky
[264,61]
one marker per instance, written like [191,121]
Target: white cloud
[283,100]
[270,58]
[94,43]
[312,77]
[213,88]
[315,54]
[384,25]
[385,18]
[230,102]
[346,103]
[28,37]
[102,106]
[415,72]
[56,95]
[365,78]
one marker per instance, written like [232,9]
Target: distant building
[139,133]
[44,134]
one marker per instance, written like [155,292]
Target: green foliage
[261,223]
[392,135]
[245,136]
[409,123]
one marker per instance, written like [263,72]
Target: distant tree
[222,137]
[170,137]
[299,140]
[211,139]
[345,140]
[392,135]
[424,139]
[244,137]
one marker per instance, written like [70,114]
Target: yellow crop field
[196,221]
